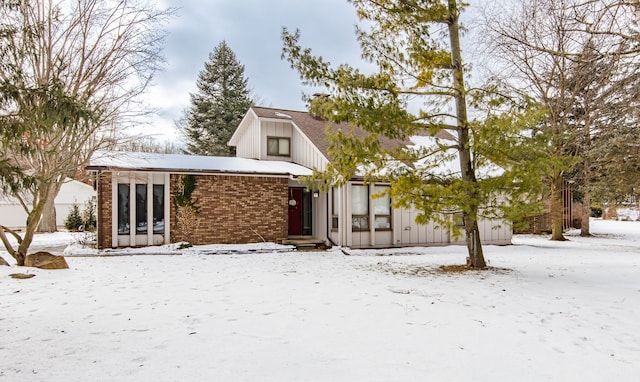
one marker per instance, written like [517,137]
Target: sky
[252,29]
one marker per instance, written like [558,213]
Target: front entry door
[299,212]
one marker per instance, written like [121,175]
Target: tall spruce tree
[218,105]
[415,45]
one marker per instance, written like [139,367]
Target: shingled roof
[315,128]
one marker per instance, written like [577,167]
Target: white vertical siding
[406,232]
[249,142]
[305,153]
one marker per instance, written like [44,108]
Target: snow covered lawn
[554,311]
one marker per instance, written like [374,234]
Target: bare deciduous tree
[579,59]
[70,74]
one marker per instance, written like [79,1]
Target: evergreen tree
[218,105]
[74,222]
[416,47]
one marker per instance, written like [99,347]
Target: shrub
[74,222]
[89,216]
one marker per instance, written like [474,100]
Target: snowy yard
[558,311]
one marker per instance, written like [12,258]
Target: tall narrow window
[158,208]
[307,217]
[382,209]
[278,146]
[141,208]
[123,209]
[335,208]
[359,208]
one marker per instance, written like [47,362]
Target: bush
[89,216]
[74,222]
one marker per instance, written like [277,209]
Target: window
[335,208]
[458,219]
[158,208]
[359,208]
[278,146]
[141,208]
[123,209]
[142,213]
[382,209]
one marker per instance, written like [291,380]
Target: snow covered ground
[558,311]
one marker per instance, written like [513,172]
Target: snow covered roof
[192,163]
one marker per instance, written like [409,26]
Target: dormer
[283,135]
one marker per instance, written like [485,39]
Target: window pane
[382,205]
[283,148]
[123,209]
[307,222]
[360,200]
[360,223]
[141,208]
[272,146]
[158,208]
[383,222]
[334,222]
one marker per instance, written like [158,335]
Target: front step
[306,244]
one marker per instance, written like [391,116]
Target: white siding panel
[249,142]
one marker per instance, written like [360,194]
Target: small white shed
[12,214]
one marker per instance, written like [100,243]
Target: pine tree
[74,222]
[218,106]
[416,47]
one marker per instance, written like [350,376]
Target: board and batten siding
[405,231]
[249,143]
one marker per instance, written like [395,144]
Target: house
[71,192]
[256,196]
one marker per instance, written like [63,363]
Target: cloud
[252,29]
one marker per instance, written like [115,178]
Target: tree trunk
[33,219]
[585,230]
[48,222]
[474,246]
[557,207]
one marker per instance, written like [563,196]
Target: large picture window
[382,209]
[359,208]
[142,214]
[278,146]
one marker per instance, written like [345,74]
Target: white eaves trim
[135,161]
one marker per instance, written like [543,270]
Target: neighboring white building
[13,215]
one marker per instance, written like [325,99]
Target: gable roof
[136,161]
[314,128]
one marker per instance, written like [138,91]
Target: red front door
[295,211]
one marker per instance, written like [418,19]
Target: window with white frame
[382,208]
[359,207]
[278,146]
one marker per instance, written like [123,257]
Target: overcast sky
[252,29]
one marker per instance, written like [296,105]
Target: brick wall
[104,208]
[234,209]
